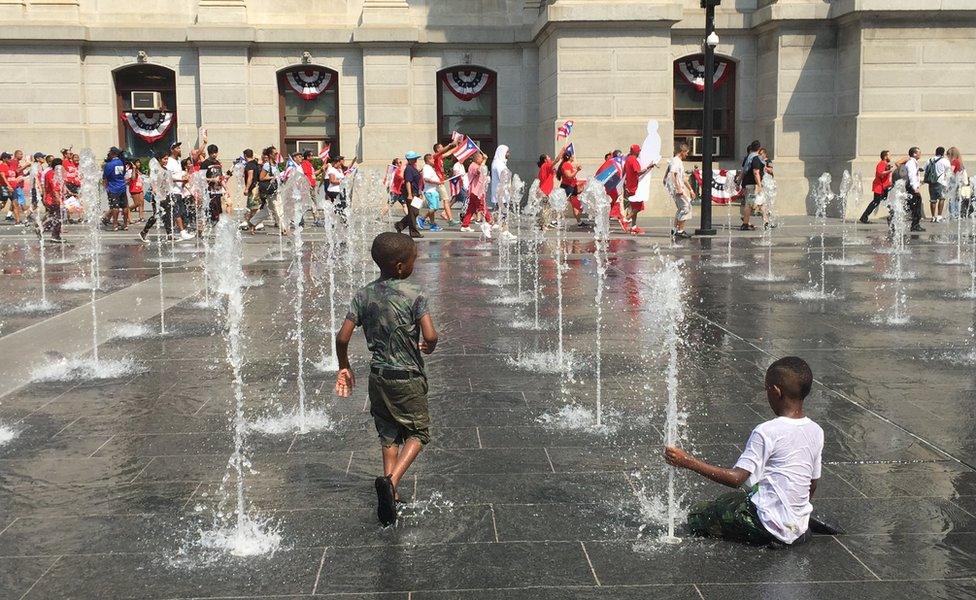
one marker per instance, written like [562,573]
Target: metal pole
[706,196]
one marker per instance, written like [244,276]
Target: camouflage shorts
[731,516]
[399,409]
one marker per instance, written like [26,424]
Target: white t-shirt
[331,172]
[459,169]
[176,172]
[943,168]
[783,456]
[430,176]
[676,173]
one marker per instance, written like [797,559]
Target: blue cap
[412,155]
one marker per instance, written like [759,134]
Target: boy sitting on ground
[398,328]
[781,463]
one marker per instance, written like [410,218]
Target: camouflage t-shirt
[389,311]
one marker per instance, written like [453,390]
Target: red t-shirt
[52,191]
[309,172]
[632,171]
[70,170]
[569,174]
[135,183]
[397,187]
[956,165]
[881,181]
[547,177]
[439,166]
[13,177]
[8,176]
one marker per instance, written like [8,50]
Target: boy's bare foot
[385,501]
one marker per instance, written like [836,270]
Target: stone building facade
[825,84]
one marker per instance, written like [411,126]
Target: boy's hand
[425,347]
[675,457]
[345,382]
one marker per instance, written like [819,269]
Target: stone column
[385,12]
[223,88]
[222,11]
[385,103]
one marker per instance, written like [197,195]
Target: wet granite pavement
[107,483]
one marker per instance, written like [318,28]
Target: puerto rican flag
[466,150]
[610,172]
[565,130]
[324,152]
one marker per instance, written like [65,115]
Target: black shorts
[118,200]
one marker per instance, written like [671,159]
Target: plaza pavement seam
[856,557]
[494,523]
[589,562]
[318,574]
[698,591]
[46,571]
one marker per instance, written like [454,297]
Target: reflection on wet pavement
[102,482]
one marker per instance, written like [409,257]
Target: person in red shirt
[8,184]
[136,189]
[54,187]
[614,195]
[569,181]
[632,174]
[548,170]
[440,151]
[881,185]
[393,180]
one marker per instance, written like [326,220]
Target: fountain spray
[897,199]
[90,200]
[159,182]
[242,533]
[559,201]
[598,203]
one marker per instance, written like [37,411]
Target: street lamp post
[711,40]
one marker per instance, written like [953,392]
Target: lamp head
[712,40]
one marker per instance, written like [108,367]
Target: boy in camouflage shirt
[398,329]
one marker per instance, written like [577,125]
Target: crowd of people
[449,187]
[944,173]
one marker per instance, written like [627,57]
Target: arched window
[467,102]
[146,99]
[689,87]
[308,108]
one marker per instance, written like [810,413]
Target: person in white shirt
[909,172]
[937,188]
[177,180]
[781,463]
[678,187]
[433,198]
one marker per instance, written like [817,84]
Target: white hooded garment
[500,177]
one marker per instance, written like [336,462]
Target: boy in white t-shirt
[678,187]
[781,462]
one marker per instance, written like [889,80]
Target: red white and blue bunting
[692,70]
[467,84]
[309,83]
[150,126]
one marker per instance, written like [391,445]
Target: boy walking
[677,186]
[398,327]
[781,461]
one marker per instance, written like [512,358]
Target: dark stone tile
[112,576]
[895,515]
[662,592]
[874,590]
[17,575]
[915,556]
[716,561]
[454,567]
[567,522]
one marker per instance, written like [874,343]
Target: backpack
[930,175]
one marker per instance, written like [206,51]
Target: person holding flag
[570,183]
[610,175]
[440,151]
[565,130]
[632,174]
